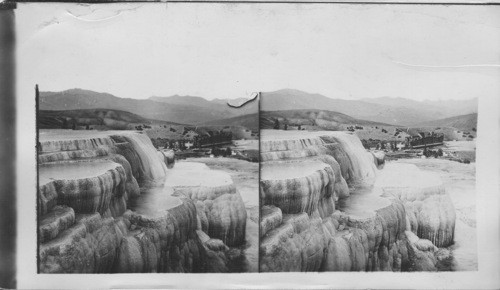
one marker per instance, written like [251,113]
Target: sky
[138,50]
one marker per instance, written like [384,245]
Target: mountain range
[464,122]
[103,119]
[179,109]
[312,118]
[389,110]
[195,110]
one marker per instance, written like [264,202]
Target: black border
[8,209]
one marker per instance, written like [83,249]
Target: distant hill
[177,109]
[250,121]
[100,119]
[107,119]
[441,108]
[190,101]
[312,119]
[396,111]
[463,122]
[215,105]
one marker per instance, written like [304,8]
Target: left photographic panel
[144,162]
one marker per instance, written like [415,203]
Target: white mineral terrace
[360,163]
[279,140]
[460,146]
[284,135]
[75,140]
[277,135]
[111,195]
[191,166]
[74,170]
[155,201]
[290,170]
[66,135]
[402,175]
[363,203]
[398,198]
[194,174]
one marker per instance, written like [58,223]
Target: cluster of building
[418,140]
[424,139]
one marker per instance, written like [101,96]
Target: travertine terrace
[108,203]
[325,206]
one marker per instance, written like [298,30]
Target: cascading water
[154,168]
[362,165]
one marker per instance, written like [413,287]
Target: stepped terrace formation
[108,202]
[329,205]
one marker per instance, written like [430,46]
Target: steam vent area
[328,204]
[109,202]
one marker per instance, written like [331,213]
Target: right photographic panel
[368,139]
